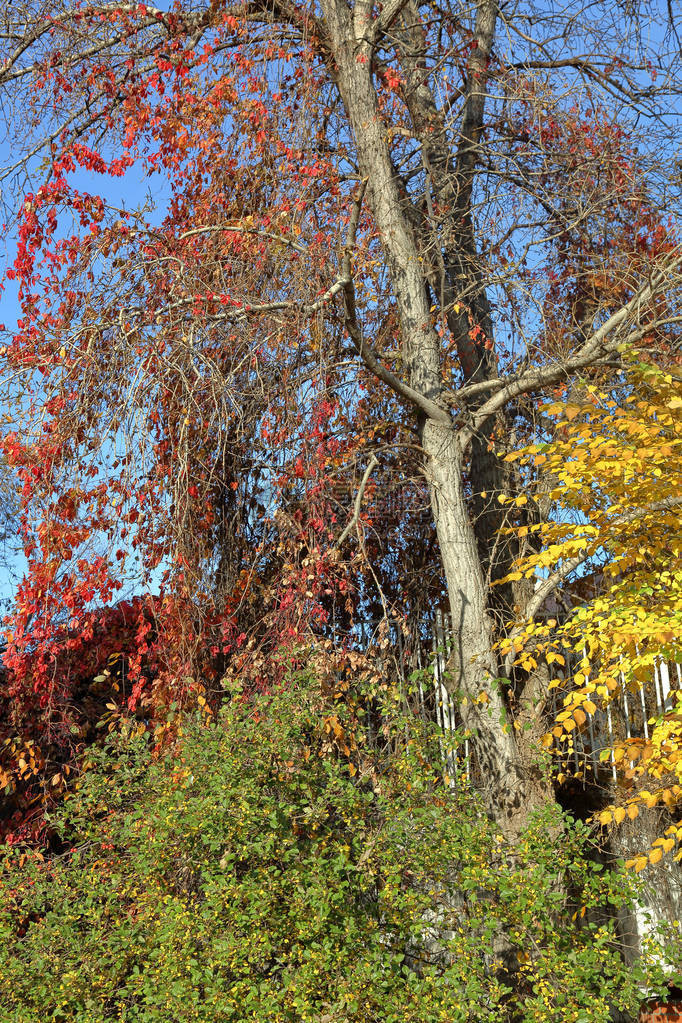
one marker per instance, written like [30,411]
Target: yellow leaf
[605,817]
[638,862]
[655,855]
[619,814]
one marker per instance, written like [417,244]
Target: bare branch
[355,518]
[599,345]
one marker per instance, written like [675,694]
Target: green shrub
[259,873]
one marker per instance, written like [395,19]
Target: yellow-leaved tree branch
[614,462]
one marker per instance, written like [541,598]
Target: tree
[615,466]
[457,208]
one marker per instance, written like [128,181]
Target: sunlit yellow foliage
[615,464]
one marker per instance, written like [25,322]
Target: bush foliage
[260,873]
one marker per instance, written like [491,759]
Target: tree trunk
[511,789]
[512,785]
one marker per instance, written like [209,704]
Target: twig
[373,462]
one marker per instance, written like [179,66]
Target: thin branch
[240,229]
[355,518]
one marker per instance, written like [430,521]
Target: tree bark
[456,273]
[511,789]
[504,766]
